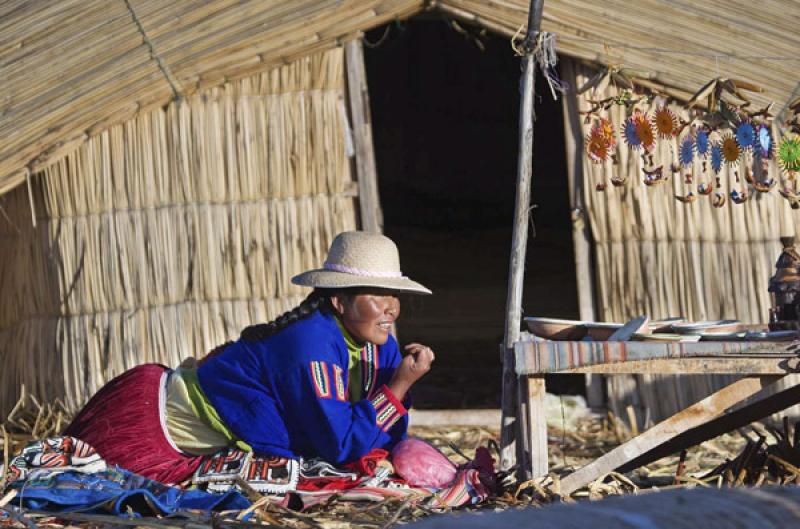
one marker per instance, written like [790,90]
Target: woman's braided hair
[318,299]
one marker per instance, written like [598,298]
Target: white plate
[703,327]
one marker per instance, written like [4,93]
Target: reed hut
[165,168]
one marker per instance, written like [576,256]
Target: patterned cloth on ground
[268,475]
[64,474]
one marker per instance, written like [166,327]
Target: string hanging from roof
[716,128]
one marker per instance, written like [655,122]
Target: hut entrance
[445,124]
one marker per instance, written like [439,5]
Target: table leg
[535,421]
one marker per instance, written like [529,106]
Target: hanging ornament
[690,197]
[617,181]
[705,189]
[656,176]
[716,157]
[763,142]
[605,129]
[597,147]
[687,151]
[739,198]
[745,135]
[730,150]
[702,143]
[601,186]
[631,134]
[789,153]
[645,132]
[665,122]
[718,200]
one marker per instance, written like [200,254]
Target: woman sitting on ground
[324,380]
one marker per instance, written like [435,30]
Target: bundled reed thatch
[163,236]
[657,256]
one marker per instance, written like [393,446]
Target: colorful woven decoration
[687,151]
[665,122]
[789,153]
[763,142]
[730,150]
[745,135]
[702,143]
[603,127]
[705,189]
[716,157]
[645,132]
[597,147]
[630,131]
[739,198]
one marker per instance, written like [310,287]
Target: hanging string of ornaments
[726,133]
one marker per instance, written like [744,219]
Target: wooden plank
[692,417]
[474,417]
[696,366]
[766,404]
[366,172]
[575,357]
[509,428]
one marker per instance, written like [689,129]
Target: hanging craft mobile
[789,154]
[665,123]
[701,140]
[597,147]
[705,188]
[745,135]
[739,198]
[724,132]
[645,132]
[716,157]
[730,150]
[763,142]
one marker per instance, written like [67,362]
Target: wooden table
[760,364]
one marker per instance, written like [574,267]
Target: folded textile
[115,491]
[66,453]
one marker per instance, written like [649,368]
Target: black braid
[318,299]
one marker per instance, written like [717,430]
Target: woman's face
[367,314]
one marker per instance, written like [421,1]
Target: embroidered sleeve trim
[388,409]
[319,374]
[338,380]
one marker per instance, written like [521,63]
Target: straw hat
[360,259]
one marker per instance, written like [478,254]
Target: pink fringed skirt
[125,423]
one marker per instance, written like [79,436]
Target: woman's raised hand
[413,367]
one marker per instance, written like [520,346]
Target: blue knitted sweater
[287,395]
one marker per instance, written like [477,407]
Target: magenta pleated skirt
[125,423]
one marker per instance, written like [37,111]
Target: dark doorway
[445,106]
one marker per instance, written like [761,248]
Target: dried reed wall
[654,255]
[164,236]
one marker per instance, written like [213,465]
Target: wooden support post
[536,439]
[695,415]
[366,173]
[573,138]
[510,427]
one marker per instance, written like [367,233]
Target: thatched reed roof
[72,68]
[682,44]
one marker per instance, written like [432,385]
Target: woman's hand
[411,368]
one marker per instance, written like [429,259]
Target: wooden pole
[366,173]
[573,137]
[511,419]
